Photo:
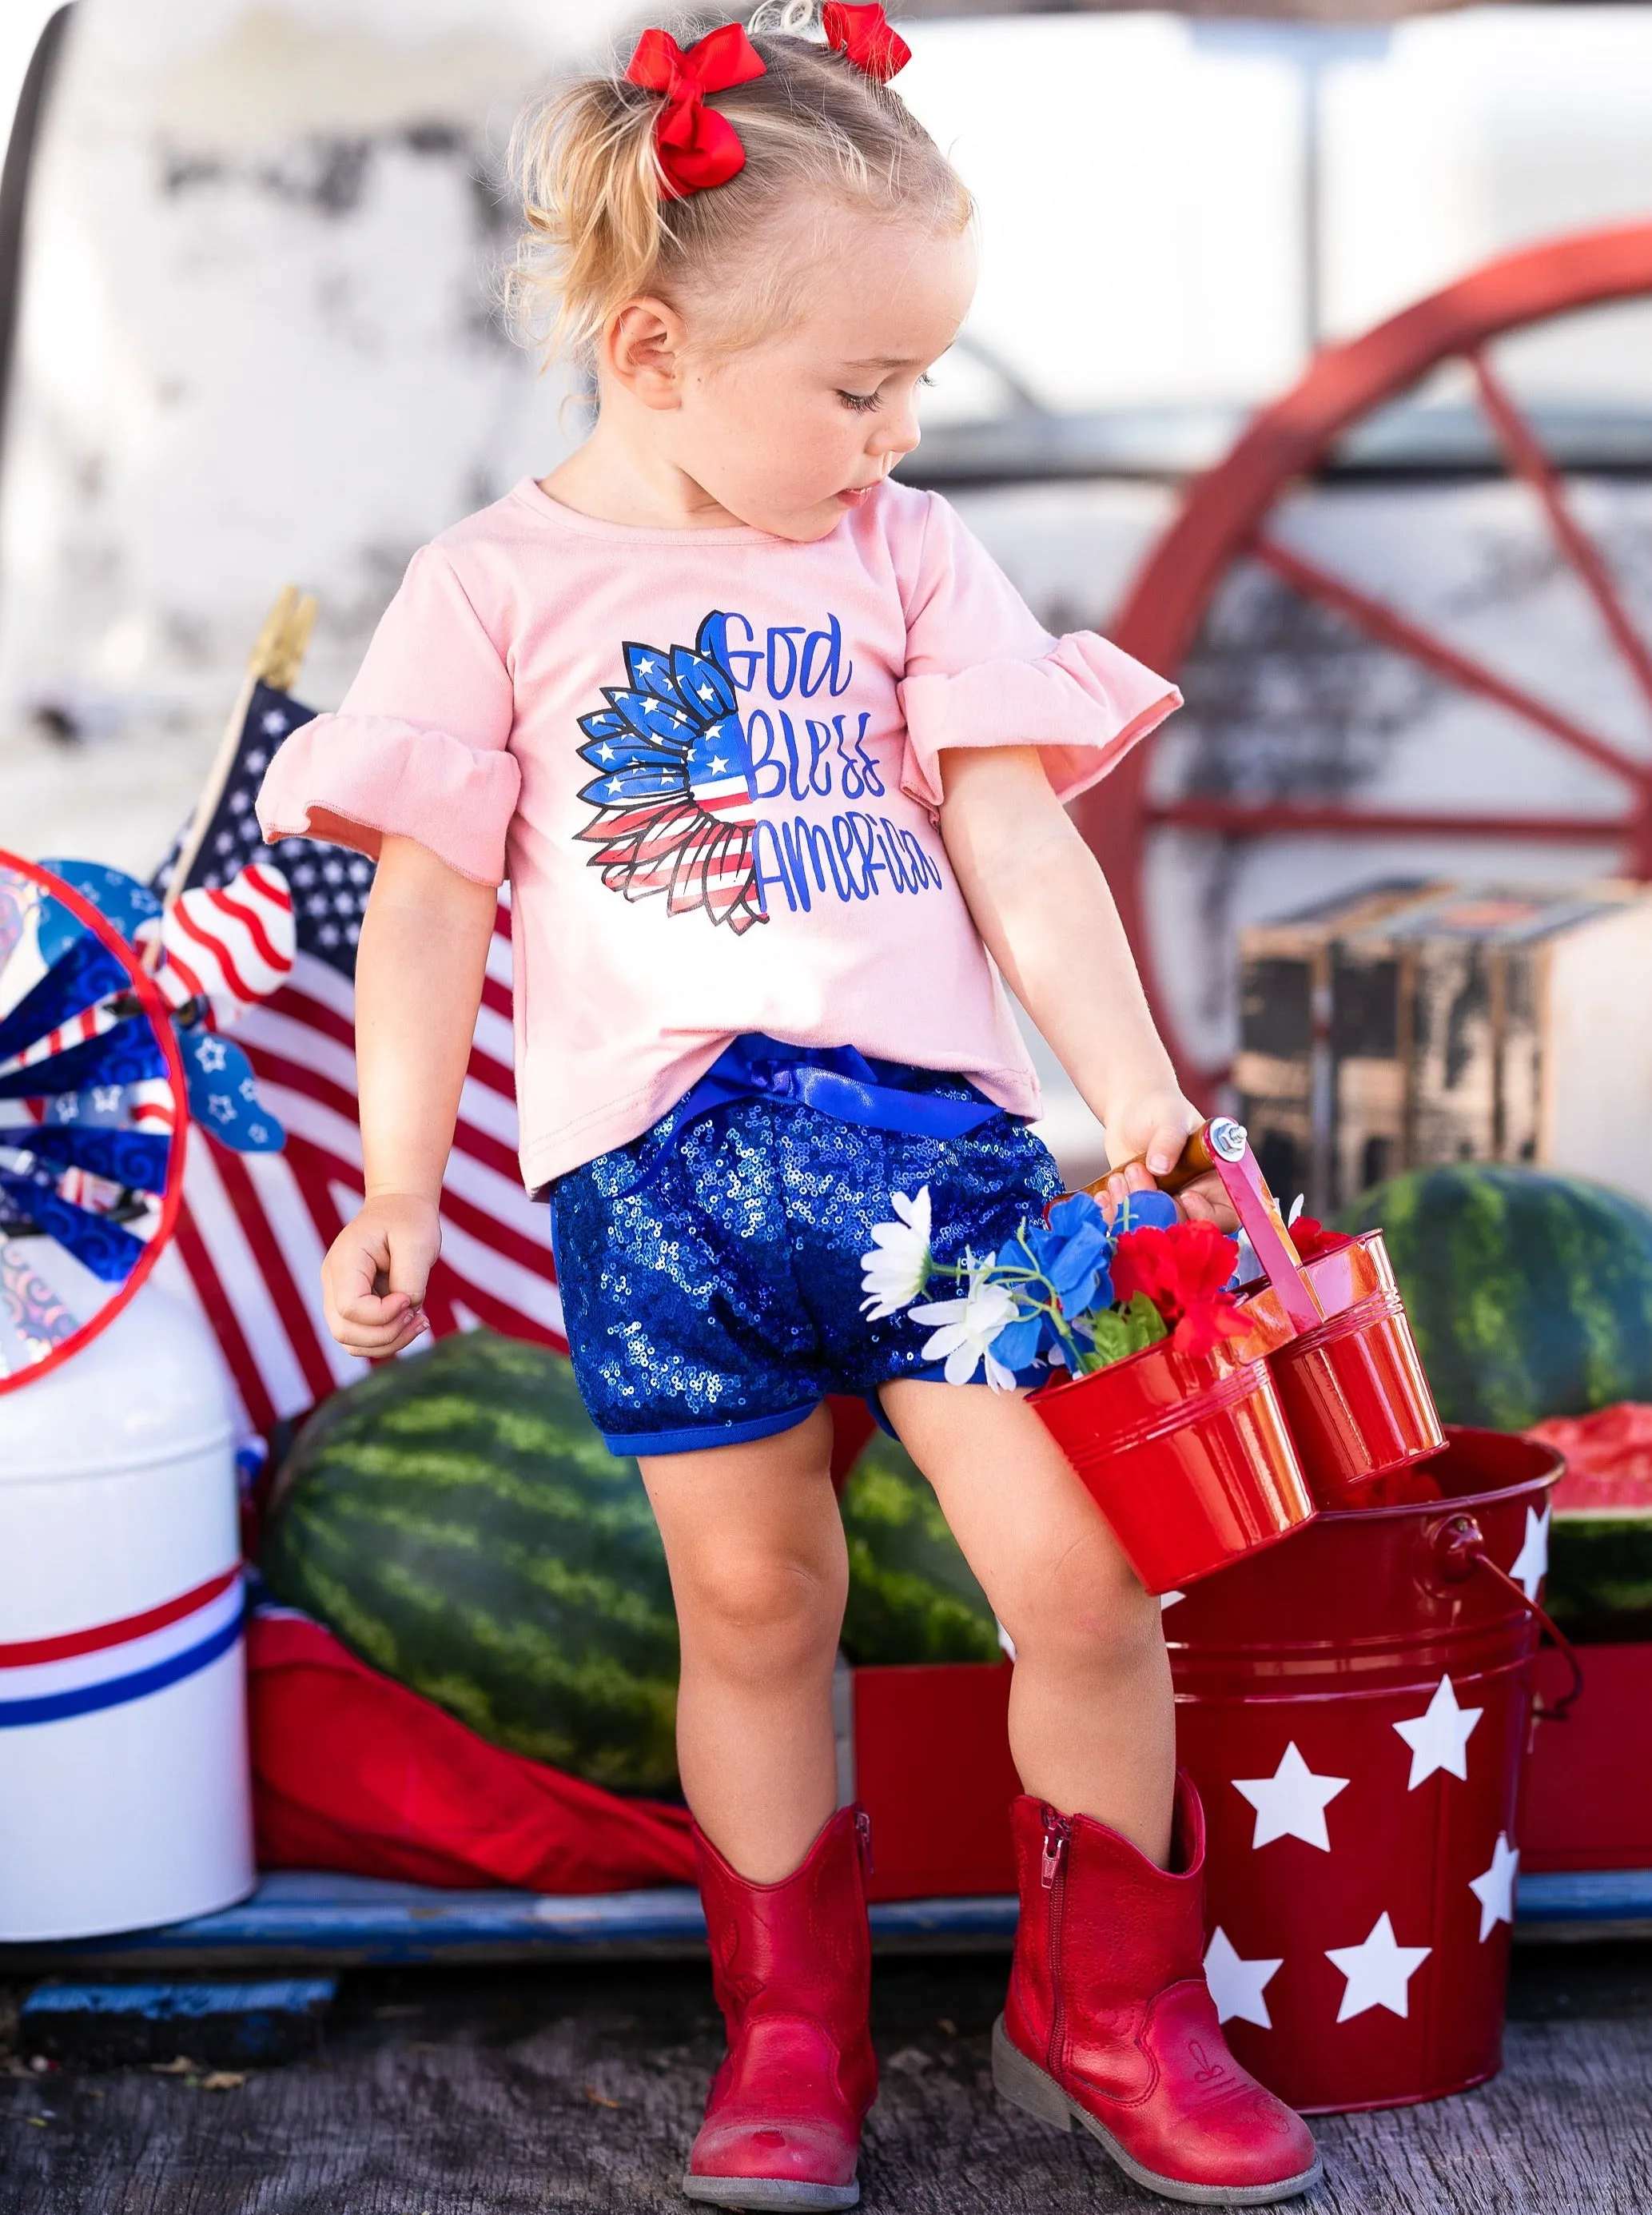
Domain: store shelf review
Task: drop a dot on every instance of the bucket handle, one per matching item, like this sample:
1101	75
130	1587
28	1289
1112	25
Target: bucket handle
1224	1145
1460	1544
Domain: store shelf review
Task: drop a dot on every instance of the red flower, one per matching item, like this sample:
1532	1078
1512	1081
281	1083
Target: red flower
1312	1239
1183	1271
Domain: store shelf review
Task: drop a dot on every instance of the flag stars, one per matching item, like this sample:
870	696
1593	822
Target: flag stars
1438	1737
1495	1888
211	1055
1292	1802
220	1107
1236	1985
1379	1972
273	723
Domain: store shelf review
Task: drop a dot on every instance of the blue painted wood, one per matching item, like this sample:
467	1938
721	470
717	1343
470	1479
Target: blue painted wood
104	2025
176	2002
1584	1896
316	1916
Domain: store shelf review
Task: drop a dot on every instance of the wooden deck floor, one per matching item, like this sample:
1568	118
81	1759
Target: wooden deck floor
442	2093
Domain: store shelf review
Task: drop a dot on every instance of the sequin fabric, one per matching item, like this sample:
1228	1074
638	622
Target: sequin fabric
712	1289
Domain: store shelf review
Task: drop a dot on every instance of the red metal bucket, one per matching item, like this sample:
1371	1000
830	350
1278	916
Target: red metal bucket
1353	1387
1354	1709
1187	1457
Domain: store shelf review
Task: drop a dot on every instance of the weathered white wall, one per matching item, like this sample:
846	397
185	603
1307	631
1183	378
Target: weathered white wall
256	345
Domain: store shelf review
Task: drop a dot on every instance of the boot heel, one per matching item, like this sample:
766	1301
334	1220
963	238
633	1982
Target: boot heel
1024	2085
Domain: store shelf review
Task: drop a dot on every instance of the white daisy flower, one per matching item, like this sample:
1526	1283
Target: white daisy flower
897	1269
968	1327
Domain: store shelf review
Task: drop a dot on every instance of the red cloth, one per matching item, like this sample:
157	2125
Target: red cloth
1608	1459
352	1771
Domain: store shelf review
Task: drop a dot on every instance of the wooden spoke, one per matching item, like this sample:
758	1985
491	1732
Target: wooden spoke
1389	628
1527	460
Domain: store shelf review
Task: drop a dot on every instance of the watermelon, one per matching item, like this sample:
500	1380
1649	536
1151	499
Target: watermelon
1530	1293
457	1522
911	1595
1599	1585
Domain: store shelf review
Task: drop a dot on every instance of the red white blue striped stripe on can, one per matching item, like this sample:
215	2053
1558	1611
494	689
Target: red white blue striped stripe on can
48	1680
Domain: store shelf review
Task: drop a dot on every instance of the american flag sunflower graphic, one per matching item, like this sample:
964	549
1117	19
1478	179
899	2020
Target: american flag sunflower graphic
673	786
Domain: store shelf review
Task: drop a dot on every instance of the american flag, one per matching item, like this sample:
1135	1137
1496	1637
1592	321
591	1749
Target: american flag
255	1226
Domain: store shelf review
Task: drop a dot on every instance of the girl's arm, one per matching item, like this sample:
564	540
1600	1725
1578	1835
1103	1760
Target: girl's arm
418	981
1041	902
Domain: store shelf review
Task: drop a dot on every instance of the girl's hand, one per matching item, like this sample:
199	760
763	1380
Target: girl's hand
374	1277
1149	1132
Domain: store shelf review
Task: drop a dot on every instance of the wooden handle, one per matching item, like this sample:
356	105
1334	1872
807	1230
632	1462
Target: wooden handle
1196	1160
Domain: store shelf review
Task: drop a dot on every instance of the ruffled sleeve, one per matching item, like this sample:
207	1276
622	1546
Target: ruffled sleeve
419	747
982	671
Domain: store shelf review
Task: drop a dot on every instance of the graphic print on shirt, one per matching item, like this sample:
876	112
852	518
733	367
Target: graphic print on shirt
781	810
673	789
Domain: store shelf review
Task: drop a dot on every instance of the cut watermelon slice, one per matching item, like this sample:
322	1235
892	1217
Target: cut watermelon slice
1600	1547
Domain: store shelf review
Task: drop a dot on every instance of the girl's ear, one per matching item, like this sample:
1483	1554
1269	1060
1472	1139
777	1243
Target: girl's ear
645	350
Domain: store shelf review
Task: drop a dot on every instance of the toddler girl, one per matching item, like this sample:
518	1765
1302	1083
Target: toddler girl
774	759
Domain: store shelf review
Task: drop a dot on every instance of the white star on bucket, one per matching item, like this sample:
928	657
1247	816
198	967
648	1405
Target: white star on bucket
1495	1888
1438	1737
1236	1985
1292	1802
1531	1564
1379	1972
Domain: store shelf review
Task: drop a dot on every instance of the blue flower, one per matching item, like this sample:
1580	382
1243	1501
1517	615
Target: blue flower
1145	1210
1016	1345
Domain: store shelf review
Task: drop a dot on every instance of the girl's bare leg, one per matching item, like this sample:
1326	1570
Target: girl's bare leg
1092	1723
760	1572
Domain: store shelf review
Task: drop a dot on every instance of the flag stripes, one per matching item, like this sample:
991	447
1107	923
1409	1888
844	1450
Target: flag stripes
255	1227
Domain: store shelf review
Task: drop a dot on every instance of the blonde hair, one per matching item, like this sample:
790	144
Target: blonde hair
601	229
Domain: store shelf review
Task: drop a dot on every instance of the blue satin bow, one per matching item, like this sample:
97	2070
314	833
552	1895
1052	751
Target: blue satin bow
835	1080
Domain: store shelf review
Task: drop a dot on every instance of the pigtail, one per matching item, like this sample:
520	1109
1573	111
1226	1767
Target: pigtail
589	178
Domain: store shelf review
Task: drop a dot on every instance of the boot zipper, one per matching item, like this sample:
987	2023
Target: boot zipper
1054	1876
863	1838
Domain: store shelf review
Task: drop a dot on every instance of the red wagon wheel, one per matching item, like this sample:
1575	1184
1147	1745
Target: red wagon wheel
1224	518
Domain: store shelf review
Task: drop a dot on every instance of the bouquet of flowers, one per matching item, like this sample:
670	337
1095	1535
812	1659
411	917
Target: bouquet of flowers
1076	1292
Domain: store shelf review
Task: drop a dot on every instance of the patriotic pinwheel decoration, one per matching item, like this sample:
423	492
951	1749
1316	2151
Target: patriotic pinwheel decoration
109	1043
673	786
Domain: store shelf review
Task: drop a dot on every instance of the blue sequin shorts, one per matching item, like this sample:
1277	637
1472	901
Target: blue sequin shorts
711	1288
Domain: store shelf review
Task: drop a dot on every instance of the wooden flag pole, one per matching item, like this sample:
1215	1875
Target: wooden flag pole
277	657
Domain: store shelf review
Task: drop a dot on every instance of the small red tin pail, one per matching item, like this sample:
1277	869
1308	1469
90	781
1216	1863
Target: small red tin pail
1187	1457
1353	1386
1354	1709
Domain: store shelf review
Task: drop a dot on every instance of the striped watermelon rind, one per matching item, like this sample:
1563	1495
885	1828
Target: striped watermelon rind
457	1522
1530	1293
1599	1583
912	1596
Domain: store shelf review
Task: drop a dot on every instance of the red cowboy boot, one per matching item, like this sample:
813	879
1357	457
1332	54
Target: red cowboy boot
1109	2022
791	1969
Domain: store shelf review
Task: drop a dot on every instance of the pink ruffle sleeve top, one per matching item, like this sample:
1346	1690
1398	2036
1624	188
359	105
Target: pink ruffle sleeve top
707	761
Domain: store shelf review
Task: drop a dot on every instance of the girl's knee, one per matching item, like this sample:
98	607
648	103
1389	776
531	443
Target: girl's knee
1089	1609
758	1612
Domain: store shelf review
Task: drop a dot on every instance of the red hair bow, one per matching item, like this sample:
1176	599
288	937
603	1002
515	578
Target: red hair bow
697	147
866	36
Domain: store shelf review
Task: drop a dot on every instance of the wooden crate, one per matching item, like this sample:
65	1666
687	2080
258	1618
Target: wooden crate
1495	1024
1287	1010
1403	1026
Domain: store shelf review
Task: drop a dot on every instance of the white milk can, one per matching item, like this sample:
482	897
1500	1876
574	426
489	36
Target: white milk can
125	1798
